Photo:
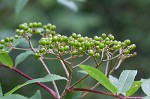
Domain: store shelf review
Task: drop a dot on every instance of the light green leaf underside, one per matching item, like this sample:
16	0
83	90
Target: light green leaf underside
146	86
125	81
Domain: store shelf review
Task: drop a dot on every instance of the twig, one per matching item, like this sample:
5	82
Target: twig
48	71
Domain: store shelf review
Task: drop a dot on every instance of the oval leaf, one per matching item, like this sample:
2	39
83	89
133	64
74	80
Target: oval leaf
146	86
37	95
135	86
100	77
21	57
125	81
5	59
48	78
20	4
13	96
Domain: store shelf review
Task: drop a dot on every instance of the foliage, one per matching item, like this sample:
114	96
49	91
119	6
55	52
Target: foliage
56	47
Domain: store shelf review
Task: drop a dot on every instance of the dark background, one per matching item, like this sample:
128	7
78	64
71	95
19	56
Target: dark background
125	19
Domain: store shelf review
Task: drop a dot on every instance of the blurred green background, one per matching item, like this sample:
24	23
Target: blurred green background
125	19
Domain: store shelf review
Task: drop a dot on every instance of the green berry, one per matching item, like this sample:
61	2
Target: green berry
127	41
2	41
7	39
74	53
35	24
42	42
37	55
101	45
42	50
49	25
30	25
96	55
123	44
61	49
107	39
111	37
53	27
74	35
104	35
66	48
96	38
39	24
126	51
54	39
91	52
16	36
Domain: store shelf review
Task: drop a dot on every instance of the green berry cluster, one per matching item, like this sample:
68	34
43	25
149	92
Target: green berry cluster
75	45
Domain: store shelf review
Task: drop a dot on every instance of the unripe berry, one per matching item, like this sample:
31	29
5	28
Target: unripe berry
96	38
37	55
81	39
66	48
48	25
126	51
123	44
42	50
39	24
16	36
54	39
96	55
11	39
30	25
101	45
2	41
111	37
127	41
35	24
91	52
74	53
53	27
7	39
104	35
74	35
61	49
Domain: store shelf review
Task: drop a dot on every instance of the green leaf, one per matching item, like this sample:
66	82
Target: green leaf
125	81
135	86
13	96
37	95
146	86
21	57
68	3
5	59
47	78
1	91
100	77
20	4
147	97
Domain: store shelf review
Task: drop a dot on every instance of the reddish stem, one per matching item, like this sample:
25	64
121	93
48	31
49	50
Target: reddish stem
30	78
104	93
